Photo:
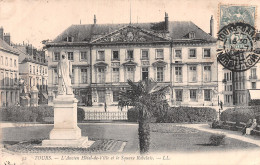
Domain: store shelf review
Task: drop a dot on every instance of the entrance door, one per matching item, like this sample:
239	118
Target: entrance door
145	73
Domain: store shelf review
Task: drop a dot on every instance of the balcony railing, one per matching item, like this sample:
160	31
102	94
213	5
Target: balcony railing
252	77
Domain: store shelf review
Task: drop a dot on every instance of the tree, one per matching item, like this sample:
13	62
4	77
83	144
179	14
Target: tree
148	98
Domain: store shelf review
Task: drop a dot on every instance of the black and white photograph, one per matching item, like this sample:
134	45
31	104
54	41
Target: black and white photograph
129	82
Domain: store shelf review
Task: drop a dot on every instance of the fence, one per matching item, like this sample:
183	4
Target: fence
105	115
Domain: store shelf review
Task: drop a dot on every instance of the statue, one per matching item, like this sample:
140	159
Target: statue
64	75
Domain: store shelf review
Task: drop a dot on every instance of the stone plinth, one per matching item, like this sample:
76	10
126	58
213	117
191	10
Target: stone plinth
66	131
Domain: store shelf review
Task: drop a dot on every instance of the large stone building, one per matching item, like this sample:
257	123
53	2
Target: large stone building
9	75
104	56
33	69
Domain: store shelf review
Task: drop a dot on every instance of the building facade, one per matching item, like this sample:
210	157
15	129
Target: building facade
33	70
105	56
9	75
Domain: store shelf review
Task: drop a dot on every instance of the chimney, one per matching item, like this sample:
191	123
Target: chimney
7	38
166	20
2	33
211	26
95	20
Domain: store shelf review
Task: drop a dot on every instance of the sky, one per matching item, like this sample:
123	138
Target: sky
32	21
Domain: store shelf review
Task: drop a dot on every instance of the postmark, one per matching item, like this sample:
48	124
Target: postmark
234	13
236	42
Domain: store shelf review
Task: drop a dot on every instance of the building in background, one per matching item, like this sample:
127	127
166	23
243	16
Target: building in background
105	56
33	70
9	75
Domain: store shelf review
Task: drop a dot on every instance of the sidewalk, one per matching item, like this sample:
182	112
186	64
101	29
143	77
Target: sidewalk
231	134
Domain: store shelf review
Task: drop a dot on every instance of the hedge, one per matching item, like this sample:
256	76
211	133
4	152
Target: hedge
241	114
32	114
179	115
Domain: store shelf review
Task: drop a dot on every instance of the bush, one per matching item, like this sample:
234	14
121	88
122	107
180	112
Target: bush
80	114
188	114
217	139
216	124
240	114
132	115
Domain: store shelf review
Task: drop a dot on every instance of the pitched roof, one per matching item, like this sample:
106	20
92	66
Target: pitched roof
4	46
178	30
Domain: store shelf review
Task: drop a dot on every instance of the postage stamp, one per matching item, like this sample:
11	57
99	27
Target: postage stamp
236	38
231	13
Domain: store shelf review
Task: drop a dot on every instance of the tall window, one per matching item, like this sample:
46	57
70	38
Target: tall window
101	55
11	79
115	96
159	74
207	74
115	55
178	53
33	69
70	56
11	62
6	78
206	53
83	55
130	73
145	55
130	54
15	78
73	77
253	85
193	94
56	56
178	74
100	75
145	73
2	60
159	54
30	68
55	76
84	76
101	96
178	93
2	79
207	96
115	74
6	61
192	53
253	73
192	74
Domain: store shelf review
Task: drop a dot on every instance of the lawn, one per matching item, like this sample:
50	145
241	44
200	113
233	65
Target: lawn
164	137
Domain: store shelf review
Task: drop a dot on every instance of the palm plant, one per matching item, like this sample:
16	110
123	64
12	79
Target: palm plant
148	99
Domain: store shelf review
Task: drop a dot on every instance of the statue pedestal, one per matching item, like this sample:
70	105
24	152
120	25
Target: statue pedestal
66	132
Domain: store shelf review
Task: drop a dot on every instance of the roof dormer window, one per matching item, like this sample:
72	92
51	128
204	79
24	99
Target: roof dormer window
191	35
69	39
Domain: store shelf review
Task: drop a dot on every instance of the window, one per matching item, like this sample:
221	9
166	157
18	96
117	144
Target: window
55	76
253	85
70	56
207	73
253	73
130	54
130	73
101	96
159	74
115	74
178	93
206	53
2	60
15	78
192	74
145	55
192	53
159	54
11	62
101	55
191	35
100	75
56	56
11	79
6	61
145	73
6	78
83	56
30	68
84	76
69	39
193	94
37	69
178	74
33	69
15	63
115	96
2	79
207	95
72	76
115	55
178	53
